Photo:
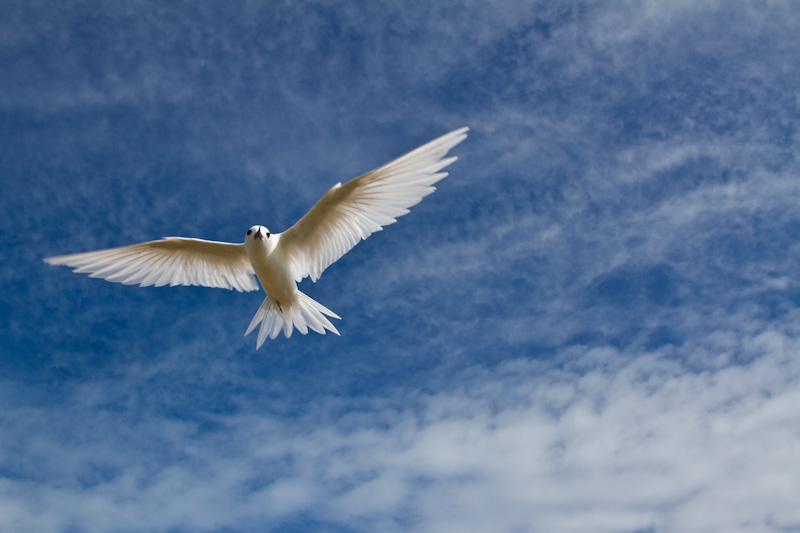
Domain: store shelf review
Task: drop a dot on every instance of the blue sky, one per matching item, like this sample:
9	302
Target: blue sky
592	325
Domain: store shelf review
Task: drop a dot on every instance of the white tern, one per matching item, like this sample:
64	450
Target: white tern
345	215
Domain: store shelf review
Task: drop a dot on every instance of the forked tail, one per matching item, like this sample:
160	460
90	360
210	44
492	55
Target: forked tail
307	314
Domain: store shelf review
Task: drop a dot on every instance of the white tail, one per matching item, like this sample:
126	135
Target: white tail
307	314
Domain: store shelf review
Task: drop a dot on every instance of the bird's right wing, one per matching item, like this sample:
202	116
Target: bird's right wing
170	261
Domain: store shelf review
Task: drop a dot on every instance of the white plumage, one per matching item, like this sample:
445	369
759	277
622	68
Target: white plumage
170	261
345	215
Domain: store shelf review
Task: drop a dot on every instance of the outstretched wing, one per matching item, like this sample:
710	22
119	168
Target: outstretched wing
170	261
354	211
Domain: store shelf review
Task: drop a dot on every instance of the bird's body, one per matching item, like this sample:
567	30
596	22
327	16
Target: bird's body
284	307
345	215
271	267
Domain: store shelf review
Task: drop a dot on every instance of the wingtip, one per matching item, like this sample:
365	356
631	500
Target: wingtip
456	136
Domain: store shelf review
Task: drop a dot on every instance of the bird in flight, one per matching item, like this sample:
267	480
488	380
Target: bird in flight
345	215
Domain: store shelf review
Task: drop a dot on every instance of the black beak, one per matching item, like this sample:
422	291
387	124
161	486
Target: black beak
259	236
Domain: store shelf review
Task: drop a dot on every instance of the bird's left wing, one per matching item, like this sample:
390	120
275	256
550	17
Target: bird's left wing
170	261
354	211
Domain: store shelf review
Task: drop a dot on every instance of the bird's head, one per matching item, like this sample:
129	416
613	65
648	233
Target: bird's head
257	233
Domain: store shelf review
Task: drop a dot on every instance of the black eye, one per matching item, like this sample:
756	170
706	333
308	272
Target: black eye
249	231
267	235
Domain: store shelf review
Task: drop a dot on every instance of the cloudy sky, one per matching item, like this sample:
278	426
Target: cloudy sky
592	325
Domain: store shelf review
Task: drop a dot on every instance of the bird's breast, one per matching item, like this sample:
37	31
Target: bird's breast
274	273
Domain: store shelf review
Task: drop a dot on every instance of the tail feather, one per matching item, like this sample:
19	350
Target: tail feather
306	314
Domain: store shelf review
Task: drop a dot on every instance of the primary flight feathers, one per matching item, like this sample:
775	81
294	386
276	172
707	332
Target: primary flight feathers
346	214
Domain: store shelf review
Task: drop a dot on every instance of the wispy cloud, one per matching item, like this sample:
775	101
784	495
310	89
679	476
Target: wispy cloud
625	441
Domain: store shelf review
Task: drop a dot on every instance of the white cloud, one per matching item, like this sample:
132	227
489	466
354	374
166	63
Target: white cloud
595	439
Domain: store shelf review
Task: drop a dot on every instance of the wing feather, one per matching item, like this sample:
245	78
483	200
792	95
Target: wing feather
170	261
348	213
